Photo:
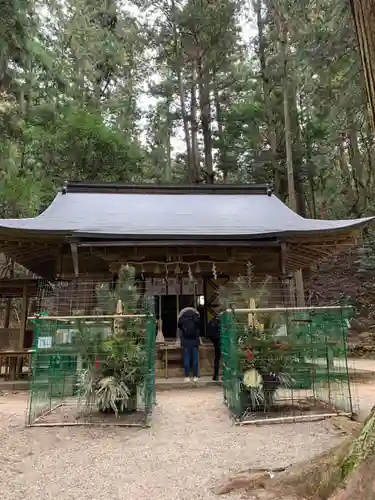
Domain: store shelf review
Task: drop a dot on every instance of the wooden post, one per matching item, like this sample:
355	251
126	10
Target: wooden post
8	307
74	250
160	336
17	367
178	339
288	299
205	310
24	311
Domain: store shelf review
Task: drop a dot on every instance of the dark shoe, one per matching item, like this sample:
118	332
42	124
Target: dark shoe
215	378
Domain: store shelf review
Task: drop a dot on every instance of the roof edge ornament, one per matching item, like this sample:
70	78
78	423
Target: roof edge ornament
269	188
64	189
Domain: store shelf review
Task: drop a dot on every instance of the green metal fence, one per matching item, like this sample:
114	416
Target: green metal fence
93	370
286	363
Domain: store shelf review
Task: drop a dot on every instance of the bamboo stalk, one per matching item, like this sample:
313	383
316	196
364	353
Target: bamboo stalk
47	412
90	316
88	424
295	418
287	309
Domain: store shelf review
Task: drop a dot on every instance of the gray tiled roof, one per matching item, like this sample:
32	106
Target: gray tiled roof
98	213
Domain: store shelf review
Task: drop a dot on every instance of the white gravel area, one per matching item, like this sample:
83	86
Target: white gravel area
190	447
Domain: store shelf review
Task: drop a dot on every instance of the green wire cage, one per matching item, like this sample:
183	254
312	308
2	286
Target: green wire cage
285	364
93	370
93	356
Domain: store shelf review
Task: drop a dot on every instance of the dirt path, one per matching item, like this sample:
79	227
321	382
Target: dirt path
189	447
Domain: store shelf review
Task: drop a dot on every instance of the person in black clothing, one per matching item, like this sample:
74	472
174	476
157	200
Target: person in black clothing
213	333
189	327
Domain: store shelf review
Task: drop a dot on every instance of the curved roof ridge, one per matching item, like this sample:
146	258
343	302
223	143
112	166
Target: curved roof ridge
215	189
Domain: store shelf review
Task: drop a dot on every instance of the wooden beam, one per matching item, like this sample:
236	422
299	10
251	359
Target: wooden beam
323	239
213	242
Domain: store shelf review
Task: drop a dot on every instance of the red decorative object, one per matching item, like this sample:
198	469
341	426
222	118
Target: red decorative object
249	355
276	346
97	363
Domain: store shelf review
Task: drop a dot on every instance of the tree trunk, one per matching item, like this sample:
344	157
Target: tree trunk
370	143
181	86
345	171
289	152
300	295
223	161
257	6
194	122
185	119
205	110
357	171
297	149
310	202
168	145
364	21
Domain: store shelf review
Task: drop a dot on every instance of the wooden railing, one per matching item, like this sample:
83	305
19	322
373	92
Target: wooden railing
12	358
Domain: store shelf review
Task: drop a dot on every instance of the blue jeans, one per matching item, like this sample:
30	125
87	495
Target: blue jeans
191	355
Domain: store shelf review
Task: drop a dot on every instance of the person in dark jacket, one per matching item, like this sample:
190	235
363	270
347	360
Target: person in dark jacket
189	327
213	333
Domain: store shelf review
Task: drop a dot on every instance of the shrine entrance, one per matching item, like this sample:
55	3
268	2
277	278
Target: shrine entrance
173	294
167	308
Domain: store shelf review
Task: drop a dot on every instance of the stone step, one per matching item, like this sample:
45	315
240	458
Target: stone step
168	384
14	385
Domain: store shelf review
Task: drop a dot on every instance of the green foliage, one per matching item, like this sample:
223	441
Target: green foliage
20	195
266	349
76	141
275	359
114	363
245	290
67	102
124	289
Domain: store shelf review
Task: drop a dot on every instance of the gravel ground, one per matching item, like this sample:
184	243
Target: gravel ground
190	446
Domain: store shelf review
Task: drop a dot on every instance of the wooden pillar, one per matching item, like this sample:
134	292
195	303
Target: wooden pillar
15	363
206	319
282	265
178	339
24	310
300	293
8	307
8	310
296	296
